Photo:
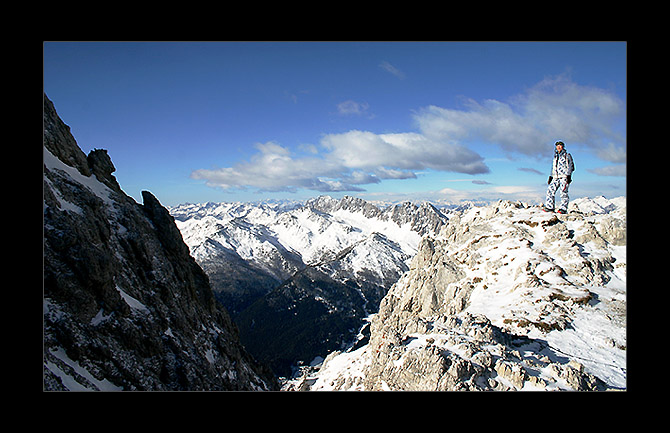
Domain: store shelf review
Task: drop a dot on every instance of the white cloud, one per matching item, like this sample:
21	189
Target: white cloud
274	169
556	108
389	173
612	153
360	178
349	108
348	159
392	69
401	151
493	122
615	154
512	189
491	193
610	170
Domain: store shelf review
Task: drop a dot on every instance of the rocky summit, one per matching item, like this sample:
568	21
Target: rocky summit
505	297
125	305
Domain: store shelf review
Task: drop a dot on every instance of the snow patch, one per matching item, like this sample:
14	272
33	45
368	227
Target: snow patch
132	302
91	182
69	368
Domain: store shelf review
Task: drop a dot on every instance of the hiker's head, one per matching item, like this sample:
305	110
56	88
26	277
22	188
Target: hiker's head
559	145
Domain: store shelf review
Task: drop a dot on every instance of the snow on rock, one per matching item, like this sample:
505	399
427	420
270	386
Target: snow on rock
301	279
313	231
278	240
505	297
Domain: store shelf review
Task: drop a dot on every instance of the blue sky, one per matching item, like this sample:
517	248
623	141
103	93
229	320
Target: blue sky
247	121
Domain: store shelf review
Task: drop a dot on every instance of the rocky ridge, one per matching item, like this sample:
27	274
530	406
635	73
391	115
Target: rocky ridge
505	297
125	305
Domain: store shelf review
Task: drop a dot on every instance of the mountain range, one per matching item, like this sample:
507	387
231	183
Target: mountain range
332	269
301	278
327	294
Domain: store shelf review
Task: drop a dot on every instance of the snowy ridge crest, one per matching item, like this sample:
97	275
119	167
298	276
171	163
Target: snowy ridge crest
504	297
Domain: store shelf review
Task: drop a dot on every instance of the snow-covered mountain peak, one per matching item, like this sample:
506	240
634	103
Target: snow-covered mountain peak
503	297
322	225
259	256
599	205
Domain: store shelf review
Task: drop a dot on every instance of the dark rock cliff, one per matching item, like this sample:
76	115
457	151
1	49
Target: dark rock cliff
125	305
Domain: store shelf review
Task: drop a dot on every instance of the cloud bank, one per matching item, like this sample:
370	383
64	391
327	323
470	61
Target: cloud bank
346	161
555	108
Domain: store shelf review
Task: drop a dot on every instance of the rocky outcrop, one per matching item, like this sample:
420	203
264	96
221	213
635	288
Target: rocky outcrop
125	305
506	297
59	141
101	166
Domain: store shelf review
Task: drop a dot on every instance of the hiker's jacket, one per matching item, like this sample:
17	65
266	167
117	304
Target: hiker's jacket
562	165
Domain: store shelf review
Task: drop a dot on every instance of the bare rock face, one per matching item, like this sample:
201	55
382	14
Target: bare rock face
125	305
59	141
101	166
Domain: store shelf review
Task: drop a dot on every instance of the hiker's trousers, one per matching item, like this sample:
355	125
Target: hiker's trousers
560	184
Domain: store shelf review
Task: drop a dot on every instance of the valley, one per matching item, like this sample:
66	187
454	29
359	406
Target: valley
301	279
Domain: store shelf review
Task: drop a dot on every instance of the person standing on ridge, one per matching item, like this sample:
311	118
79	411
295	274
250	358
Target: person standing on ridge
560	178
